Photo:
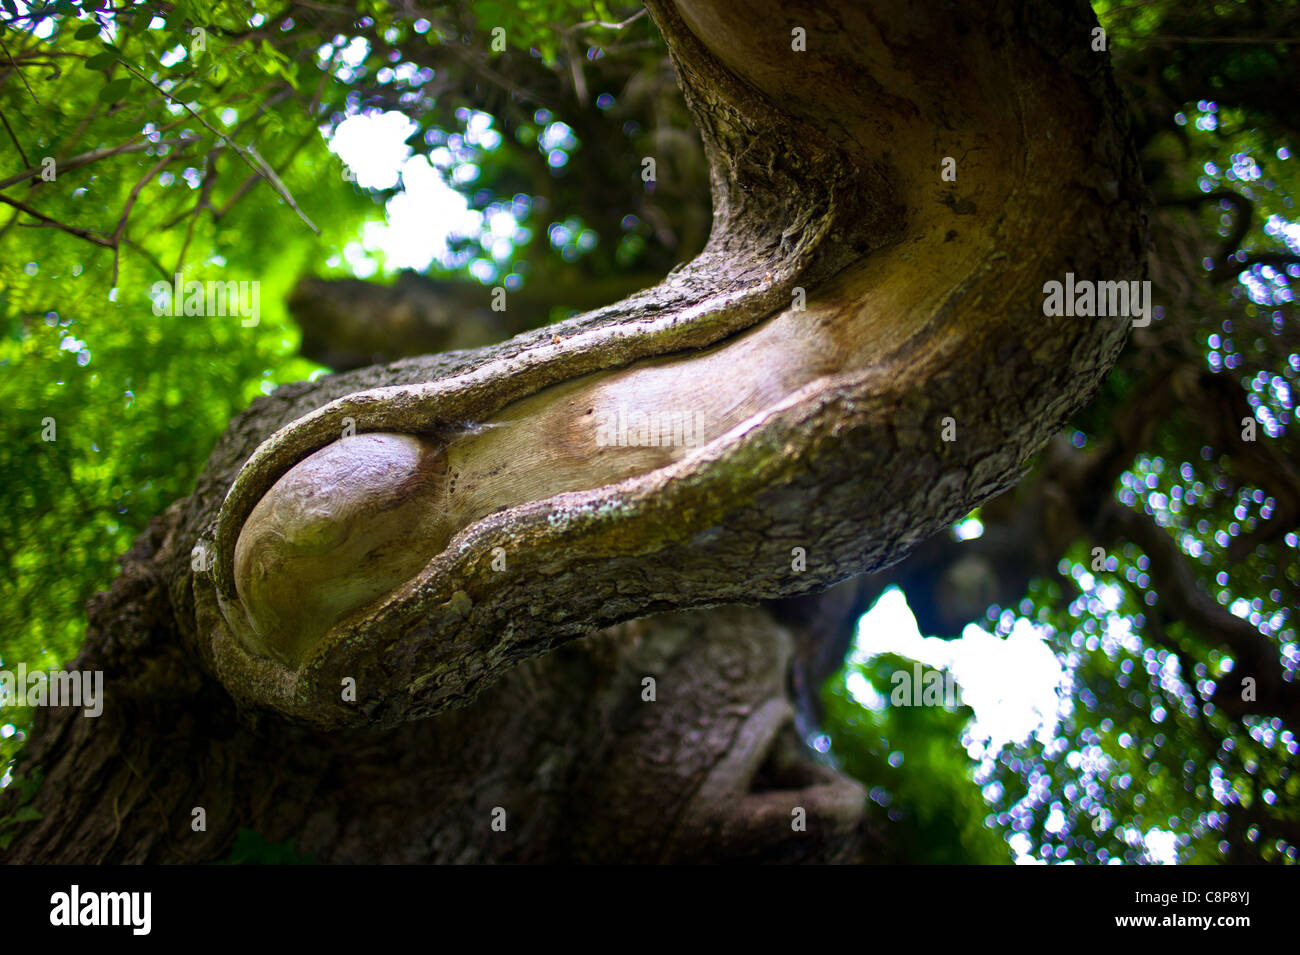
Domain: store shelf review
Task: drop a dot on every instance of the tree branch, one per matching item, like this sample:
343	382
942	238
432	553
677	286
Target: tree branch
90	235
805	409
255	162
85	159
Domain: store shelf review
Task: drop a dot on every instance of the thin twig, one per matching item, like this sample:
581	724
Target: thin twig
326	7
240	191
209	179
98	238
575	66
274	180
247	155
325	74
611	26
85	159
17	69
148	256
17	145
251	181
130	203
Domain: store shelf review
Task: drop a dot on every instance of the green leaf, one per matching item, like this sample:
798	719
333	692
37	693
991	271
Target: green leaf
115	90
88	31
273	54
101	61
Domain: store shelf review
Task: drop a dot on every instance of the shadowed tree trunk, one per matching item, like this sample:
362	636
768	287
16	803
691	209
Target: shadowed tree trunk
369	631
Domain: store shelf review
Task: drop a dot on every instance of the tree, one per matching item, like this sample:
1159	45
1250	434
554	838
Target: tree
360	633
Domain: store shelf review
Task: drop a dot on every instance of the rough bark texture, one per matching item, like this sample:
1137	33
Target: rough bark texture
585	767
923	302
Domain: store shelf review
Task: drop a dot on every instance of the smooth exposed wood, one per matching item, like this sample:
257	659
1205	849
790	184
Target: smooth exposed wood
822	424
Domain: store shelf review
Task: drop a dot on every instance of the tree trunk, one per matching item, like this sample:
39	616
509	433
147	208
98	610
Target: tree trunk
863	354
573	756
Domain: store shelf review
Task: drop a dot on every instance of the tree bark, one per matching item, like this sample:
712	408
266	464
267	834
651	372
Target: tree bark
849	303
566	752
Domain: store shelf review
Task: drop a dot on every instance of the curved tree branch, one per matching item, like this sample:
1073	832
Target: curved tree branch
821	425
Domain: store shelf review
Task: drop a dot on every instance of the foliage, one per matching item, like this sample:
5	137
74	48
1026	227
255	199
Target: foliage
912	762
1144	763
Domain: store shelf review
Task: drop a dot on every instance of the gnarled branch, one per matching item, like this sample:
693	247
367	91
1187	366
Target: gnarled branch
921	301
